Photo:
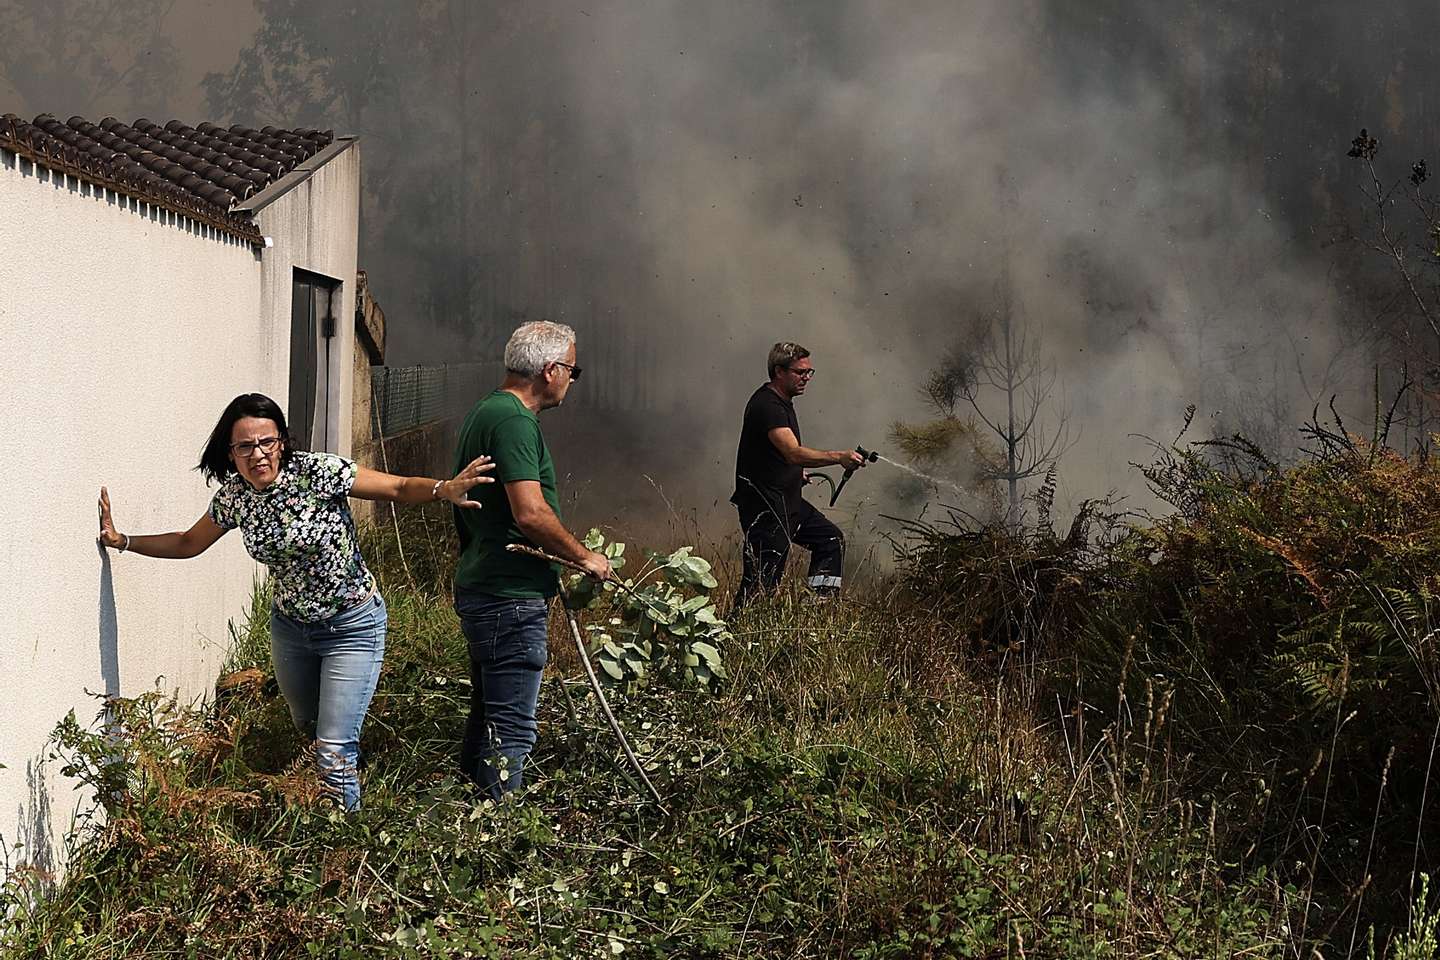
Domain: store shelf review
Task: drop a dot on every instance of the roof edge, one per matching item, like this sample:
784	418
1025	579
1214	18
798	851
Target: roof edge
295	177
64	159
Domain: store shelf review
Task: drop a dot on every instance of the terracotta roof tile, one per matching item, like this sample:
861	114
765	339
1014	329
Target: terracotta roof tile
201	171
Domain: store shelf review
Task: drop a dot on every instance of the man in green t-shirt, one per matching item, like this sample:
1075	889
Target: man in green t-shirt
503	598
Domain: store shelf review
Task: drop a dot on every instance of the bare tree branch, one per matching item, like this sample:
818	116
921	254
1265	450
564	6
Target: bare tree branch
1010	391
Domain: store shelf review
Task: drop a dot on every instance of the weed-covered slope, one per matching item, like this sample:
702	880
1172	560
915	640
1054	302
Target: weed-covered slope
839	797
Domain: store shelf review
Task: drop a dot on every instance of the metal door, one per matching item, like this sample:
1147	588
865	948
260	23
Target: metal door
312	332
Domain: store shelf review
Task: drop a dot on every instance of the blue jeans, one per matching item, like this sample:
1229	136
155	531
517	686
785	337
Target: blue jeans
327	671
507	641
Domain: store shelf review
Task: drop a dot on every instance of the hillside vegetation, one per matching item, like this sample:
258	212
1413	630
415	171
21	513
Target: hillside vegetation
1203	735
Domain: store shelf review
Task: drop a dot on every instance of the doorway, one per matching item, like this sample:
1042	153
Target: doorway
312	336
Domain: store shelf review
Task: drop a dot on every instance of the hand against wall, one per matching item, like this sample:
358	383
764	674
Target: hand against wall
108	536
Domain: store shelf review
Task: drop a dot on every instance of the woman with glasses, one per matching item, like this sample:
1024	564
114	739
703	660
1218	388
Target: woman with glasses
327	626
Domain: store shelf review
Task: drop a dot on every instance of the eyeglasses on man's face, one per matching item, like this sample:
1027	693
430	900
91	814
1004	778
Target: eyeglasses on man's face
247	448
805	374
574	370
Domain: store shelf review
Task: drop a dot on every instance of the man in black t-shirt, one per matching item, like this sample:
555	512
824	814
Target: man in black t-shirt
769	472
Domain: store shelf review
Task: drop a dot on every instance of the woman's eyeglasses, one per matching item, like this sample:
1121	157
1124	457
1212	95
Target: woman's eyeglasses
247	448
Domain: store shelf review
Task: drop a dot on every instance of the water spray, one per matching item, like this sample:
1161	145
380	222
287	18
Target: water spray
870	456
933	481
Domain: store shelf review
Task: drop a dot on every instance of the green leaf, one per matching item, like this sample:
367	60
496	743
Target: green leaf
711	655
612	668
580	592
660	614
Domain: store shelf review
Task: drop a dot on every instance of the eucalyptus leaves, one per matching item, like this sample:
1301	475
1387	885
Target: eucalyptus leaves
662	621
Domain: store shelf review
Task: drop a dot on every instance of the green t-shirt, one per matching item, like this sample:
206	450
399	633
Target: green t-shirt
503	427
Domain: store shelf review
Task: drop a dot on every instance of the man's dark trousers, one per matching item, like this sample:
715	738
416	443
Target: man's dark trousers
768	536
507	641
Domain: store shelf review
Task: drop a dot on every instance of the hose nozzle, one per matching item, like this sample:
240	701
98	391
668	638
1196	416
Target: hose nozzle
866	456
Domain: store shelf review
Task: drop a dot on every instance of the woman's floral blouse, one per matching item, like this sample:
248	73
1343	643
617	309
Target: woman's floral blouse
300	527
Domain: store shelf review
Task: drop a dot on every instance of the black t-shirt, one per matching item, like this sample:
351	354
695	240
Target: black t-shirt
761	475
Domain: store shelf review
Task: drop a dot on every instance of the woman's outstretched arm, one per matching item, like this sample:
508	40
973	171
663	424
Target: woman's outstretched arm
170	546
374	485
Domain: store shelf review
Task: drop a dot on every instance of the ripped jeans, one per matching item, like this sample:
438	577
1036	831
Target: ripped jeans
507	643
327	671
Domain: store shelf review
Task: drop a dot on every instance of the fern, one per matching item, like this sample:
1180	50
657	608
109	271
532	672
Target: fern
1363	651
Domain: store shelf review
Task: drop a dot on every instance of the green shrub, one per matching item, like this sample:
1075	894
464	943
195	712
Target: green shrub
1285	613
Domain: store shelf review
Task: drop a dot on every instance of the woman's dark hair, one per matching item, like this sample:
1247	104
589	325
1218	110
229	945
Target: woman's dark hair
215	461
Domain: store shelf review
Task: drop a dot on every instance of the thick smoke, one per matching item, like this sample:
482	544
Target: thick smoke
860	181
1145	184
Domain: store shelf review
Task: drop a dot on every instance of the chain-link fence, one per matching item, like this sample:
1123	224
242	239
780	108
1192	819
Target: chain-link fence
406	397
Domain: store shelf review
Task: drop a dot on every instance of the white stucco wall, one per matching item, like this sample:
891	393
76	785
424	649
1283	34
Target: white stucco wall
315	227
124	331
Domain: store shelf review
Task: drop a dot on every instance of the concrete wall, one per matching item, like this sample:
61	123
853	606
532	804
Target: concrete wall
124	331
369	353
426	450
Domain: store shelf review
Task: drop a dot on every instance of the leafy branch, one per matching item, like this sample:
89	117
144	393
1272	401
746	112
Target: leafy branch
662	622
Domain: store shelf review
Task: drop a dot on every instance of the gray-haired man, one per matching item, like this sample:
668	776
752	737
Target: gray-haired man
503	598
